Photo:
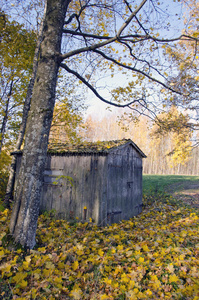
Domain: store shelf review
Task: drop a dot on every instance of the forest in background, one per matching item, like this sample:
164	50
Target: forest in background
167	152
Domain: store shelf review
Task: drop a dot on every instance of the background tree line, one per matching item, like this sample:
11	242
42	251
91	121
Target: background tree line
167	152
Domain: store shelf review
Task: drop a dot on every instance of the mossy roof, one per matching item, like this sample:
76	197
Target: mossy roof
91	147
100	147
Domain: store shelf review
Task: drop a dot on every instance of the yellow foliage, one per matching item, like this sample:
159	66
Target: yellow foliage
173	126
173	278
5	268
19	277
100	252
141	260
75	265
104	297
23	284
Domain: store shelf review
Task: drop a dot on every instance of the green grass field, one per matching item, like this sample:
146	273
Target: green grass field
160	183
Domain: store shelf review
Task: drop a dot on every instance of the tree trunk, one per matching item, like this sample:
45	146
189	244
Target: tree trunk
25	212
3	125
26	108
5	118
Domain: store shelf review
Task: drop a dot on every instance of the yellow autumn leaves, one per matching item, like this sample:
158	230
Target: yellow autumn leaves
152	256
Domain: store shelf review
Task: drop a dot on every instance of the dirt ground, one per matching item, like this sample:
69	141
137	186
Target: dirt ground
186	191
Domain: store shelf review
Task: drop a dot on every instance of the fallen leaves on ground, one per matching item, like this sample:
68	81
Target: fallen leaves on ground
151	256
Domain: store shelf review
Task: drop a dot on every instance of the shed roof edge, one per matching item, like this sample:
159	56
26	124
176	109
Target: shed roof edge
103	152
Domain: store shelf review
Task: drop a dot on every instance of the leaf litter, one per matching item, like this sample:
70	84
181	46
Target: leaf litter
154	255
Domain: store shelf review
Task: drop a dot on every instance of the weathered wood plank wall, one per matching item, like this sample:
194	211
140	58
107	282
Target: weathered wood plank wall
124	182
69	198
106	186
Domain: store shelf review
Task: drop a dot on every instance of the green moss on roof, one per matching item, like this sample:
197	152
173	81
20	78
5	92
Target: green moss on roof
102	147
86	147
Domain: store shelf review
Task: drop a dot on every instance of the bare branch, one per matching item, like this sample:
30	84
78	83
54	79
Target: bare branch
131	38
70	19
83	7
182	37
136	70
89	35
64	66
110	40
142	60
133	14
85	49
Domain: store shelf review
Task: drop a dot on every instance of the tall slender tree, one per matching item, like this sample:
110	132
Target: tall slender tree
26	107
16	53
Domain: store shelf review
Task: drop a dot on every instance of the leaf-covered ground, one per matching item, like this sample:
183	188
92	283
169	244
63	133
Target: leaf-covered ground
152	256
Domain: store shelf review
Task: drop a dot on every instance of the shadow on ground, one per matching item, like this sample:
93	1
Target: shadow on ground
185	191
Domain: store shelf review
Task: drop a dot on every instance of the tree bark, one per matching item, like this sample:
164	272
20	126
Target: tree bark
25	212
26	108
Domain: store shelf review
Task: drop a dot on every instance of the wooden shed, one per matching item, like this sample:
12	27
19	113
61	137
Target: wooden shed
101	180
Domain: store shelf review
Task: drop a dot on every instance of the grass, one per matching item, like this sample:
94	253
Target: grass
160	183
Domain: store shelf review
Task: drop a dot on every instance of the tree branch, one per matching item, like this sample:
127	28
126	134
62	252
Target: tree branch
141	60
88	48
136	70
74	15
70	19
182	37
64	66
110	39
133	14
127	38
89	35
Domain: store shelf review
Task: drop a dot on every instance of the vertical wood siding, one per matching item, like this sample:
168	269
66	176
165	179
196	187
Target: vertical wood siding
69	198
109	187
124	185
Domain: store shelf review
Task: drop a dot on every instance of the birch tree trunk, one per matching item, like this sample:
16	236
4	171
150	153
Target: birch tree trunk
26	108
25	212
